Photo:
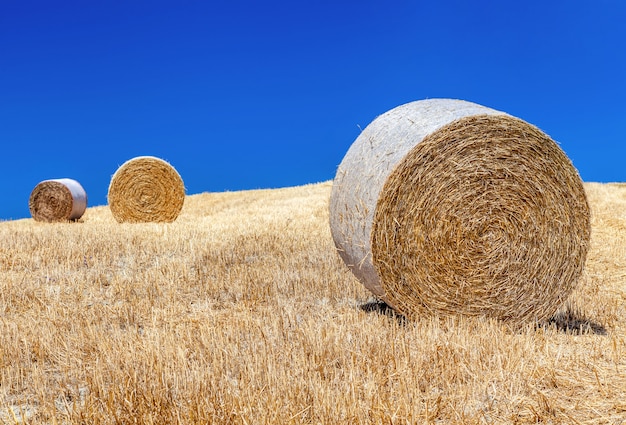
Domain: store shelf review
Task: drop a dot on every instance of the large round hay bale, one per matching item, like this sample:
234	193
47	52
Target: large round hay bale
446	207
146	189
57	200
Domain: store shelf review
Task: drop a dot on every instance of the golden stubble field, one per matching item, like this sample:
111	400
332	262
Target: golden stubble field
242	312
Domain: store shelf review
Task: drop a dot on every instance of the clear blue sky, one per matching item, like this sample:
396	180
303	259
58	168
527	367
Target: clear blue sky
240	94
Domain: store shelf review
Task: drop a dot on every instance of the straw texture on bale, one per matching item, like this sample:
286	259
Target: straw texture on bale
57	200
146	189
444	207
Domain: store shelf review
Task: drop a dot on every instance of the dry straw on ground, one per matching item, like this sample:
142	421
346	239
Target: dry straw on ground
447	207
146	189
57	200
241	312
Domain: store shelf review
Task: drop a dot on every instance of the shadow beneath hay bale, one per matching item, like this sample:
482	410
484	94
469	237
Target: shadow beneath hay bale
568	321
382	308
575	323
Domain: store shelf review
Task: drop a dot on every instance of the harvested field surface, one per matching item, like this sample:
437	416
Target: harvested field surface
242	312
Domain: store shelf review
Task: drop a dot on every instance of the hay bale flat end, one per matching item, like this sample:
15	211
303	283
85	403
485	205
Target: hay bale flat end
146	189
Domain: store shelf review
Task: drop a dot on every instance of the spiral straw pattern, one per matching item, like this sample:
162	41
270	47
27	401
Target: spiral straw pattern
146	189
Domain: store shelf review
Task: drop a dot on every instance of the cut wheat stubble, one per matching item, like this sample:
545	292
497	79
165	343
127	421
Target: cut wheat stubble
446	207
57	200
146	189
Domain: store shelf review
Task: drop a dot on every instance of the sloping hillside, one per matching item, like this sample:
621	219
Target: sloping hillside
242	312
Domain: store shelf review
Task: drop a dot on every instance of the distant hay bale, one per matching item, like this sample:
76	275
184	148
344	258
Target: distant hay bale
446	207
57	200
146	189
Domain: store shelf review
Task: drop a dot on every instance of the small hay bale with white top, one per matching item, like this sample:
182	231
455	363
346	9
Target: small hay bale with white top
57	200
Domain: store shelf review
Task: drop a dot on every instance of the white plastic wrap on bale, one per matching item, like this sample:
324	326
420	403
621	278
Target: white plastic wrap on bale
78	195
